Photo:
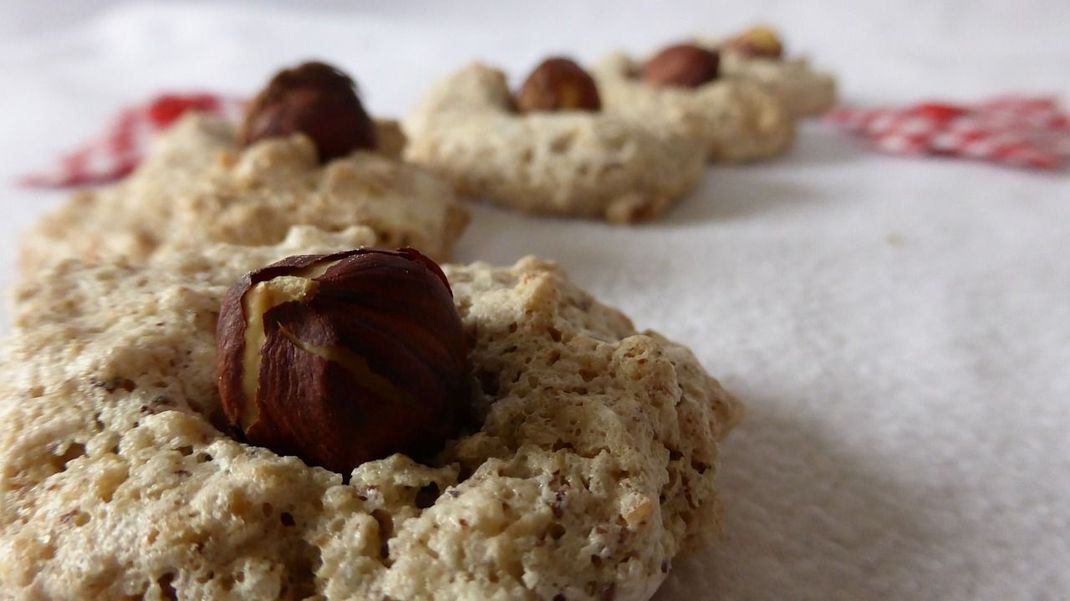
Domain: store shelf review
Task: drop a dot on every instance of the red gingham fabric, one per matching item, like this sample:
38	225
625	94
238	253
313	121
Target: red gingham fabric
117	151
1018	131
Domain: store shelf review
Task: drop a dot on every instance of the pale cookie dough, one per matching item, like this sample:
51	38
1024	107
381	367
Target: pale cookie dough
733	119
804	91
593	466
199	186
591	164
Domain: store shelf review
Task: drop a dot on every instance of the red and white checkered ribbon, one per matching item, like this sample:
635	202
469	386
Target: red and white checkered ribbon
1018	131
1025	132
117	151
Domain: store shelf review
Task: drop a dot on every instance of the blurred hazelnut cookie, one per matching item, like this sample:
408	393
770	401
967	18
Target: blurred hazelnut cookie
307	153
758	54
241	423
551	148
682	90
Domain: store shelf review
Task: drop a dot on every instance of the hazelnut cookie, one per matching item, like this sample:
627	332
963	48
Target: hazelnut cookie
758	54
586	464
306	154
551	149
683	90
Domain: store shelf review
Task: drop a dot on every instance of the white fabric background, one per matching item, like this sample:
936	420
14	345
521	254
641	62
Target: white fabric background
898	328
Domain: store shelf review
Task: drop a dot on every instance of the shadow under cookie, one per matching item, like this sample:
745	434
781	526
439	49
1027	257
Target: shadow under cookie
806	518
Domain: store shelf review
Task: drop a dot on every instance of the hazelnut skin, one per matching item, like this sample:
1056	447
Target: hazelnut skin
759	41
317	100
683	65
343	358
558	84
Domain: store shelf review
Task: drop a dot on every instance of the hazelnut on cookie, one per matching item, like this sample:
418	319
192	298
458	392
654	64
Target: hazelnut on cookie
551	148
683	91
758	54
299	421
307	153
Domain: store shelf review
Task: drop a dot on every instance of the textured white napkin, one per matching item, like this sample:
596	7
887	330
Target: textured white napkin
899	329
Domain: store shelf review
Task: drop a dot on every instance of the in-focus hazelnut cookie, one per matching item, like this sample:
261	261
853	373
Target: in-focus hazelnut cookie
306	154
551	149
758	54
582	464
682	90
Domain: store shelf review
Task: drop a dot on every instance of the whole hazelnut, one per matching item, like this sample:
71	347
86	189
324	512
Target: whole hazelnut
317	100
343	358
558	84
759	41
683	65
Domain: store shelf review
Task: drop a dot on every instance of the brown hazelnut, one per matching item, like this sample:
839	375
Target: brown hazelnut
317	100
683	65
558	84
759	41
343	358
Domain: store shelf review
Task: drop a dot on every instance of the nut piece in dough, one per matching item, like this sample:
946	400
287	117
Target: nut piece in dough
682	65
577	163
317	100
558	84
343	358
758	41
592	463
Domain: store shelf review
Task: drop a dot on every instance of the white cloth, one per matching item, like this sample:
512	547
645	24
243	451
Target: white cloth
898	328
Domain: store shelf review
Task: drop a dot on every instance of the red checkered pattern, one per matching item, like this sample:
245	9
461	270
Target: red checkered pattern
121	147
1023	132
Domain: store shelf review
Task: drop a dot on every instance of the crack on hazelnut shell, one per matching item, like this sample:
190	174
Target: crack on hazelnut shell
256	303
352	357
558	84
356	365
315	99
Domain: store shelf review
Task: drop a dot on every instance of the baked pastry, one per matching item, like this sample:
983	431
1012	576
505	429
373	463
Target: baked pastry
682	91
539	155
757	54
206	181
589	463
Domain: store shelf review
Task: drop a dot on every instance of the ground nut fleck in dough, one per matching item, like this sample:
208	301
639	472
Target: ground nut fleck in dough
199	186
733	119
580	163
593	464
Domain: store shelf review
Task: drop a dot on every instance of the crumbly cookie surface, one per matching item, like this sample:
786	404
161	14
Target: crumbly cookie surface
592	465
199	186
733	119
591	164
